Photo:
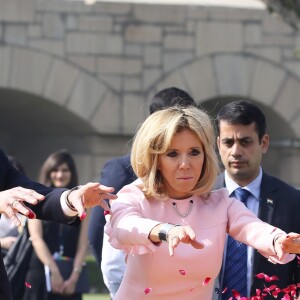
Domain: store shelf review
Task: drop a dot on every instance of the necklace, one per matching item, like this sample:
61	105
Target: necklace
191	204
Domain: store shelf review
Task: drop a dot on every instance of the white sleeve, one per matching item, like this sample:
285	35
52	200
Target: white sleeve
112	266
67	211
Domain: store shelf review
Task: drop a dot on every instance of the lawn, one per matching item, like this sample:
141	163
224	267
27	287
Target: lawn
96	297
98	290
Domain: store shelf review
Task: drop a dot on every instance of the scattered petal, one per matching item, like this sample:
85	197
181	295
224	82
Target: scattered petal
106	212
236	294
83	216
206	281
27	284
260	275
147	290
182	272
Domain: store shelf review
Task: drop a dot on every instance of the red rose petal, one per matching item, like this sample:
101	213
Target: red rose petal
260	275
28	285
274	277
236	294
182	272
206	281
147	290
106	212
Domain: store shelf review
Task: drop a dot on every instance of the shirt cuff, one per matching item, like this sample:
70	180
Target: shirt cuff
66	210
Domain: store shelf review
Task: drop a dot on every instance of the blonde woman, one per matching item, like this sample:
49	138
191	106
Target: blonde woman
169	222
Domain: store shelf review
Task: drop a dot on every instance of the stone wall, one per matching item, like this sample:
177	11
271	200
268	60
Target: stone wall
104	62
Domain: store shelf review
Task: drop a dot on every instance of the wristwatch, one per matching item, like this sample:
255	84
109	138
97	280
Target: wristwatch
163	232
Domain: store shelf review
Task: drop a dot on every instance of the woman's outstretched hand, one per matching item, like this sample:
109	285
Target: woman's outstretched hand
289	243
182	234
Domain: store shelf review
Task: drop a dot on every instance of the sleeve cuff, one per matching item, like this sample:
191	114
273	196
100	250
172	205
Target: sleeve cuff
67	211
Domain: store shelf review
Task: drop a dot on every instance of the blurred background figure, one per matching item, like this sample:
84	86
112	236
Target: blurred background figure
52	240
118	172
8	230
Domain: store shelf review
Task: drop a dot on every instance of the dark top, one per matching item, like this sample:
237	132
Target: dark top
116	173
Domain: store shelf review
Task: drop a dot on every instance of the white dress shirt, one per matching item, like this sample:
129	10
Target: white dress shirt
253	205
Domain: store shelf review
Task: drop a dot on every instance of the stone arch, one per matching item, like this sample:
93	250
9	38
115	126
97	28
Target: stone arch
61	82
243	75
216	78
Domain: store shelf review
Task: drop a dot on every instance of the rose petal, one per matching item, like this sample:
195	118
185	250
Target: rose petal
260	275
28	285
206	281
147	290
182	272
236	294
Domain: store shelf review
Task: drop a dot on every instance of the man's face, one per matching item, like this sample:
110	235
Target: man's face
240	151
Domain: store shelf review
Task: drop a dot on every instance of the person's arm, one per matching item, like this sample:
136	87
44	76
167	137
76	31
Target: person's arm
35	228
20	194
7	241
132	232
82	246
174	235
271	242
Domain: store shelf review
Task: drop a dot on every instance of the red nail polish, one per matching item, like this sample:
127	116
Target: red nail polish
82	217
106	212
31	215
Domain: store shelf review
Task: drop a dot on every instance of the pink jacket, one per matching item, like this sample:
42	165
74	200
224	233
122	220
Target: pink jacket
151	273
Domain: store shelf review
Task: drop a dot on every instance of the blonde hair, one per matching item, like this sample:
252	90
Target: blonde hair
154	138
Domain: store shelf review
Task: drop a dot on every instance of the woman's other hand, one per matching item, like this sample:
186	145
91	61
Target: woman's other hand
182	234
289	243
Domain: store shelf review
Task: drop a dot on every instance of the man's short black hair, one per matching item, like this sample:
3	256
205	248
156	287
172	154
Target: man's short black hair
170	97
244	113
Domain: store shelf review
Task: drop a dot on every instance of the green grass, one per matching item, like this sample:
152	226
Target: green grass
98	290
96	297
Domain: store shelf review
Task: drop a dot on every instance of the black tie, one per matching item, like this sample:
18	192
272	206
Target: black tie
235	274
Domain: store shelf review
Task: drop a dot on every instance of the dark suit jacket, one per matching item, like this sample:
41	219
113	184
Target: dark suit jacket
48	209
116	172
279	206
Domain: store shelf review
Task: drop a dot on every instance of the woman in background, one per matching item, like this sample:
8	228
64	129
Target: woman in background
52	240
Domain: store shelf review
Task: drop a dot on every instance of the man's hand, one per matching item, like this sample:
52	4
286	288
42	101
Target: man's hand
12	202
90	195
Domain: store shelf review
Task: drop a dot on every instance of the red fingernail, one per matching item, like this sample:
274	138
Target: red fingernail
106	212
31	215
82	217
